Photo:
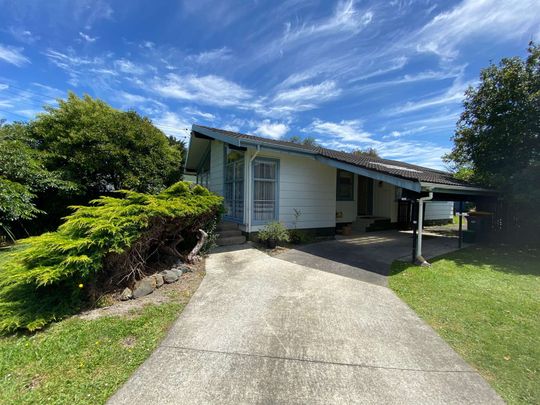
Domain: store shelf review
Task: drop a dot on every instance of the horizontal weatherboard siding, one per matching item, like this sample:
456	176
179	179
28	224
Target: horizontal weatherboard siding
305	185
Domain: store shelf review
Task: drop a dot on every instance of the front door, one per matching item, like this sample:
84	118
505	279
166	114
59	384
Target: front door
234	185
365	196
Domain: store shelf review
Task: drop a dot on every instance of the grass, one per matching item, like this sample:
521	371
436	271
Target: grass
78	361
485	303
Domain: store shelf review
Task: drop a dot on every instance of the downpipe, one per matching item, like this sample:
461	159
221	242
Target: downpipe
419	258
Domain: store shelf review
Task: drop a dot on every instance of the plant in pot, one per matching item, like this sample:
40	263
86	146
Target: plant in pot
273	233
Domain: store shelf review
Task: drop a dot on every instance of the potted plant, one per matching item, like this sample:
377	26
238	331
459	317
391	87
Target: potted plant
273	233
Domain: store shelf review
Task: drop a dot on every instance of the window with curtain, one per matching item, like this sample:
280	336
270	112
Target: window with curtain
345	186
265	190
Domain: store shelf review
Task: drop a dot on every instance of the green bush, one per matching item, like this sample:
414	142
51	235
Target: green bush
300	236
109	241
274	231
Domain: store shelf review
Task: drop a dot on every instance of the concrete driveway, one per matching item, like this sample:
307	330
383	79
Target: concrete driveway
262	330
367	256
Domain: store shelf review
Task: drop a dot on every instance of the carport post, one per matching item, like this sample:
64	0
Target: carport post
421	200
413	259
460	234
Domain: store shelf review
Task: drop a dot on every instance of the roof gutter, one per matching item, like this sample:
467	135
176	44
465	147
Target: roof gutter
456	189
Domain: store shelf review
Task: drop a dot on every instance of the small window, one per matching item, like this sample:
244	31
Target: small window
345	186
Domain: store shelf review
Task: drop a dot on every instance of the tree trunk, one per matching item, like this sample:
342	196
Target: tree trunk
192	256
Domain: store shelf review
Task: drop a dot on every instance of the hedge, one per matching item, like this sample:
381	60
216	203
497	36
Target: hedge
105	244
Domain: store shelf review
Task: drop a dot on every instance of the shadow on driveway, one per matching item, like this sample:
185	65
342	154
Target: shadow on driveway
366	257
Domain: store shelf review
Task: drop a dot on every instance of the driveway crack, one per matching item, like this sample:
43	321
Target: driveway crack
359	365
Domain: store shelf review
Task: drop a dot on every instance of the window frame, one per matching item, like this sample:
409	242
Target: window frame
240	161
338	184
276	190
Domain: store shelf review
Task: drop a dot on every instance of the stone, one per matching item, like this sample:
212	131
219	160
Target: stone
169	276
159	280
127	294
144	287
177	271
184	267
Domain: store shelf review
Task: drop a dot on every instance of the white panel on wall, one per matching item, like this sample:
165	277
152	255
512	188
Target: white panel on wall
439	210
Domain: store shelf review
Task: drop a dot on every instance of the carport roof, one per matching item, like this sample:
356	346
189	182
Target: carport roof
414	177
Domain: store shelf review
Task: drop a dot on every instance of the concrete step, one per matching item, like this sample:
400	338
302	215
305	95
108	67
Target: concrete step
227	226
232	232
231	240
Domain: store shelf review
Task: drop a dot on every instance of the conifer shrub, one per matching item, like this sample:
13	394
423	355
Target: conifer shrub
106	244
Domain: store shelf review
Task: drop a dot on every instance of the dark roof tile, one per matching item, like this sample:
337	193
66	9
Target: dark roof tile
392	167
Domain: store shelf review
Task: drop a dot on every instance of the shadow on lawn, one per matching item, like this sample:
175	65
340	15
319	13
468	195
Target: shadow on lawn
502	258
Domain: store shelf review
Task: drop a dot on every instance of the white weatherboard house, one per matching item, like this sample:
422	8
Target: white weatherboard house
313	188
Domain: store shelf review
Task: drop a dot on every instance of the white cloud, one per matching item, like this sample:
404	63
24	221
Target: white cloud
126	66
72	63
23	35
173	124
194	112
350	135
348	131
131	98
210	90
346	18
147	45
453	95
493	19
13	55
87	37
318	92
274	130
212	55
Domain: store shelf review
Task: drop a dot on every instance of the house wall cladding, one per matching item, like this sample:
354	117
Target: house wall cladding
307	186
384	200
216	167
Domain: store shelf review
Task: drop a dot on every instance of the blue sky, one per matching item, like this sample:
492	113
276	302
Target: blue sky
352	74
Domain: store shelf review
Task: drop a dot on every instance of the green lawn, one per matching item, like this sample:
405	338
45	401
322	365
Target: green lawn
486	304
79	361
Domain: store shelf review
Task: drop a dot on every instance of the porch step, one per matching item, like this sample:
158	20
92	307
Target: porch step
371	223
231	240
228	233
227	226
381	226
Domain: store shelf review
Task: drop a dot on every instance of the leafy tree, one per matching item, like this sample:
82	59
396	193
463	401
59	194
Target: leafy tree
366	152
308	141
102	149
99	150
22	175
497	140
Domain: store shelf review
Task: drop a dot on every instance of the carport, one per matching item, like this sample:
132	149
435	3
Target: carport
484	199
417	185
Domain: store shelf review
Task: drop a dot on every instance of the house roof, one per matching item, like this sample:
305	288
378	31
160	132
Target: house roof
426	177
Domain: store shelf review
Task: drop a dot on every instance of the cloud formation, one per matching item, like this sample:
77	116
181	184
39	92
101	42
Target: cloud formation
13	55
